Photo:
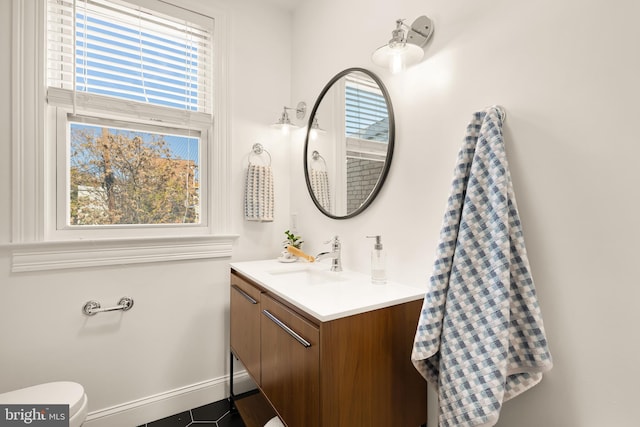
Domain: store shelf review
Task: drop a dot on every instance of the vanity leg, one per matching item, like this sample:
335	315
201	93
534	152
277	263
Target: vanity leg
232	396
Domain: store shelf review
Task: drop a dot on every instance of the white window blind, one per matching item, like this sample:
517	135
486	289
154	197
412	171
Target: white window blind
366	110
125	51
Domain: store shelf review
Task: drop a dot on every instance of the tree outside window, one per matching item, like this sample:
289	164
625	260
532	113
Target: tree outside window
119	176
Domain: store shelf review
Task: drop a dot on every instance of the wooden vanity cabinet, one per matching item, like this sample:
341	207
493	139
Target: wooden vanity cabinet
290	364
245	325
354	371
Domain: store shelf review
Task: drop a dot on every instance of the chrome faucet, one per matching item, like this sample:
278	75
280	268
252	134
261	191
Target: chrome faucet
336	263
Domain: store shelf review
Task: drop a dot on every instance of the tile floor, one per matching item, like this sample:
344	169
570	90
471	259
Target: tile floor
212	415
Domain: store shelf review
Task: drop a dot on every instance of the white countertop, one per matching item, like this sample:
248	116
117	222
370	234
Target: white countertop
324	294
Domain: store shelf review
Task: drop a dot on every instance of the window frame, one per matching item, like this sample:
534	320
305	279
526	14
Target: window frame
35	243
60	210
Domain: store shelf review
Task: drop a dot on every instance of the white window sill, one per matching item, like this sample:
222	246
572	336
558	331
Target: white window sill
43	256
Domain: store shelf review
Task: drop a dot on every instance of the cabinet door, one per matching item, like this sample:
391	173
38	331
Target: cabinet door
290	364
245	325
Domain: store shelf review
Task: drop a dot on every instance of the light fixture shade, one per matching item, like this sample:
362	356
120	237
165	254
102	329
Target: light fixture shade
315	129
284	123
398	57
283	120
405	47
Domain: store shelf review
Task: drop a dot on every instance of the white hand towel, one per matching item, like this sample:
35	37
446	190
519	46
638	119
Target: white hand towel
259	197
320	187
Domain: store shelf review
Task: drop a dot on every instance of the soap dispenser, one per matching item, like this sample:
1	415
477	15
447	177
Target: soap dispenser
378	262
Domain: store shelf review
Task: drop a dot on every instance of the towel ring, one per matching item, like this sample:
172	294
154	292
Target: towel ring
258	150
315	156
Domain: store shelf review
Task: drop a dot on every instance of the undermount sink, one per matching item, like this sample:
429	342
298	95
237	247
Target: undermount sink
308	275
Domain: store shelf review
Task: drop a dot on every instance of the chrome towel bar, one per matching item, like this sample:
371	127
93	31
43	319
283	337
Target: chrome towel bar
93	307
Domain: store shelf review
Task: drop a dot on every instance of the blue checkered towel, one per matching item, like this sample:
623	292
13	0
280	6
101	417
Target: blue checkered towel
480	339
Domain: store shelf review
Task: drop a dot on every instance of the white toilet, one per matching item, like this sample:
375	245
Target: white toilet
55	393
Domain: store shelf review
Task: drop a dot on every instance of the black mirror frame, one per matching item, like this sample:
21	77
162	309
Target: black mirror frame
391	143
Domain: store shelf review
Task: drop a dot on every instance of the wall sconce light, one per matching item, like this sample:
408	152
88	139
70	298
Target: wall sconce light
284	123
405	48
315	129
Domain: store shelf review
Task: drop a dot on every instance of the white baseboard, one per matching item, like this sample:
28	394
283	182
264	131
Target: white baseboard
168	403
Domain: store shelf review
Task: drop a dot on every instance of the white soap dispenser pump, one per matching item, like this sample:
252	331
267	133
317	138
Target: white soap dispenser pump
378	262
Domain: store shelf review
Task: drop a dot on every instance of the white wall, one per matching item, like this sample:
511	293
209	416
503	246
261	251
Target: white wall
176	335
567	74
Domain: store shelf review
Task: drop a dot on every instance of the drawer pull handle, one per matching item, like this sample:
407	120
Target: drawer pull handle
287	329
244	294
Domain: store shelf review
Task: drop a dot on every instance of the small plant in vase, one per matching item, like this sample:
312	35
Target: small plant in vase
291	240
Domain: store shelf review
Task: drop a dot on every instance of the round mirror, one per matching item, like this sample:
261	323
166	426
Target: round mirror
349	143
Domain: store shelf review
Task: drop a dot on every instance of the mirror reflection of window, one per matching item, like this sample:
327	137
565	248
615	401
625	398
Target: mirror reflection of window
367	137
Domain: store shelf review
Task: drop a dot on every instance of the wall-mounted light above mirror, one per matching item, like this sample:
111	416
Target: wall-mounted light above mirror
346	164
405	47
